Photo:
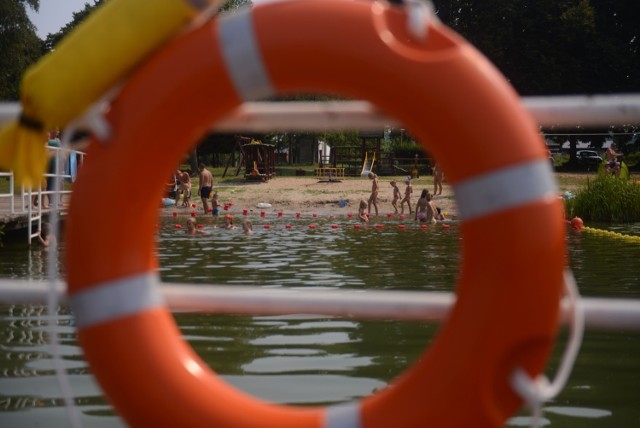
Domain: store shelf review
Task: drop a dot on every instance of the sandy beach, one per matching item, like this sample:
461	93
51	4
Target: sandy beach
312	195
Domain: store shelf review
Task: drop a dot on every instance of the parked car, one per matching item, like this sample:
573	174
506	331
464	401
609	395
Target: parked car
589	157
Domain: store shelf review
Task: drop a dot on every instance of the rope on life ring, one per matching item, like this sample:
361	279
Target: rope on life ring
454	101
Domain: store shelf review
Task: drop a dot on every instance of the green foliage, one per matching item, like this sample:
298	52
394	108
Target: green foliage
542	47
230	5
632	160
607	199
554	46
344	138
19	45
404	145
54	38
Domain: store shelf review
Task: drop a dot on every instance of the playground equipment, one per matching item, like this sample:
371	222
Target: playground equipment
367	166
259	160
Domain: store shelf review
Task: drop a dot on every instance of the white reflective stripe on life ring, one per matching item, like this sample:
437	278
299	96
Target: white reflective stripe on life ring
116	299
505	188
242	57
346	415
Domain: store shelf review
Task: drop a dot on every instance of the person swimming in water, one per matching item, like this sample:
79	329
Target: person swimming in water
426	210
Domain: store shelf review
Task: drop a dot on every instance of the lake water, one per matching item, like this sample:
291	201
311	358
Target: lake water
302	359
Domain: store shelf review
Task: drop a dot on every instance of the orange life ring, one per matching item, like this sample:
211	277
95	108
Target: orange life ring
442	89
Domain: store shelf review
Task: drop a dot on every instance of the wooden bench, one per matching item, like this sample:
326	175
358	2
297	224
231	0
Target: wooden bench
329	172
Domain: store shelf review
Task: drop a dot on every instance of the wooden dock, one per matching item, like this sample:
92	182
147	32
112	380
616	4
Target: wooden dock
15	222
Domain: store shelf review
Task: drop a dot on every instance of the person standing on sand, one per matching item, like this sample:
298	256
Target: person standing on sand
185	188
407	195
396	195
373	199
205	186
438	176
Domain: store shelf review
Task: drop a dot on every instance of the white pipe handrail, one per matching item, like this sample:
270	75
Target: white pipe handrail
600	313
578	111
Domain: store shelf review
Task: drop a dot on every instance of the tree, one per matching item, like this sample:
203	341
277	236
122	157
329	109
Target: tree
554	46
19	44
618	44
54	38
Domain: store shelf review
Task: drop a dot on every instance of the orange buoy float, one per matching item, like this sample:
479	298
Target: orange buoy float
577	223
453	100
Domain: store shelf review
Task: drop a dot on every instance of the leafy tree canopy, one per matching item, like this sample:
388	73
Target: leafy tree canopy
554	46
543	47
19	44
52	39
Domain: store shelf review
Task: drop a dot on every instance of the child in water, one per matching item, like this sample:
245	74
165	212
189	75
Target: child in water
215	205
362	211
191	228
46	237
228	222
426	210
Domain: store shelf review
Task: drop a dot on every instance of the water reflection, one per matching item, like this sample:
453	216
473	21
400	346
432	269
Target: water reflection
346	257
304	359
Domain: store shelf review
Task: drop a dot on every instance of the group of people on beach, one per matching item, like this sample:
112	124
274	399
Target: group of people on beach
205	190
425	210
180	186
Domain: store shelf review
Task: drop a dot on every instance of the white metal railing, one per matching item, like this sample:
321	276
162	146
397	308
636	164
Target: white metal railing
562	111
600	313
8	195
577	111
29	201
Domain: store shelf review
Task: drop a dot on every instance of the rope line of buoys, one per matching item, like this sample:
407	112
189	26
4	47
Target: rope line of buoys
577	224
612	234
357	226
379	223
246	212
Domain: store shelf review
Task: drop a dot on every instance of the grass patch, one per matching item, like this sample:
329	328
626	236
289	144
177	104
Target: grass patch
573	180
607	199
